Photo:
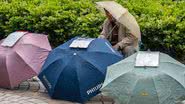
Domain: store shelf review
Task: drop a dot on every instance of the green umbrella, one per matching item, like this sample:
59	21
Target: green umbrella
162	83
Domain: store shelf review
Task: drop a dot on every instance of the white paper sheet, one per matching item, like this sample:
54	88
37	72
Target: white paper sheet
12	38
149	59
81	43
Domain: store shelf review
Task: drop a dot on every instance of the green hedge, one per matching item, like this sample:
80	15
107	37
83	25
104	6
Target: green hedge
60	19
162	22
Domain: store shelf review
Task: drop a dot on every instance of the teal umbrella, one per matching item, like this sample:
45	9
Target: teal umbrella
162	82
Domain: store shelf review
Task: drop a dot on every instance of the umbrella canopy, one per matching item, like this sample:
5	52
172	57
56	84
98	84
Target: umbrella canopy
77	74
121	15
23	60
130	84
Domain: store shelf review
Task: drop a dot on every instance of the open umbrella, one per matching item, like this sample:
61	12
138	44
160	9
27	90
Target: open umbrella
77	74
23	59
132	82
121	15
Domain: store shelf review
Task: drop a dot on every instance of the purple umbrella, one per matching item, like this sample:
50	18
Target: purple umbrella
23	60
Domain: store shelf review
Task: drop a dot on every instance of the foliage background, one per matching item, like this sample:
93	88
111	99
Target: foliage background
162	22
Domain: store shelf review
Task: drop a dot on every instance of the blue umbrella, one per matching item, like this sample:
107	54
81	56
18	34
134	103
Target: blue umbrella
77	74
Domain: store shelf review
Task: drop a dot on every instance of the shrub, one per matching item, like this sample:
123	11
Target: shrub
60	19
162	23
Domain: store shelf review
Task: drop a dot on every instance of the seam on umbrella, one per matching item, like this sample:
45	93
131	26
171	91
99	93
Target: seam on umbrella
132	91
177	64
26	64
59	76
153	80
113	79
54	59
116	64
34	52
105	53
36	46
117	76
25	61
173	79
91	64
79	84
164	99
7	71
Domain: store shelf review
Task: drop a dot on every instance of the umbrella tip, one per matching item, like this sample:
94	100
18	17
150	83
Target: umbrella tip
74	54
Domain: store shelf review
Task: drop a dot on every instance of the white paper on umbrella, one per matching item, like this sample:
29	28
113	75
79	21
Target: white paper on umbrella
149	59
81	43
12	38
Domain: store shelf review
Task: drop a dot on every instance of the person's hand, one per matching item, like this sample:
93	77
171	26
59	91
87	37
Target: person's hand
101	36
116	47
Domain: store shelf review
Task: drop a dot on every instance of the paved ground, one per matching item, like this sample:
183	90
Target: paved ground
30	97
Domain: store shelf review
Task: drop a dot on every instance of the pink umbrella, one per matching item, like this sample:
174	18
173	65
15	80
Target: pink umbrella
23	60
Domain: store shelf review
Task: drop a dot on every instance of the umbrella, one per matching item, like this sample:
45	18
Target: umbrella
23	59
121	15
76	74
129	82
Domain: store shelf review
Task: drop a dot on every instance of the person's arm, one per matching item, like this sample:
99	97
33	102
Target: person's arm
104	33
126	41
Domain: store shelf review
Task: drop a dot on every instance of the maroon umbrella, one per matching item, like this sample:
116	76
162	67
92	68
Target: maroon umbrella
23	59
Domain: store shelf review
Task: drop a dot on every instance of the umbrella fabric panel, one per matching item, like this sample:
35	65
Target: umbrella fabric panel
54	55
32	55
67	88
117	70
87	77
144	92
4	80
173	70
126	83
102	45
88	72
166	58
38	40
16	68
114	8
169	90
54	69
96	58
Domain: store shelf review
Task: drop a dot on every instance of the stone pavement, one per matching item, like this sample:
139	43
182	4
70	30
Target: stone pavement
30	97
